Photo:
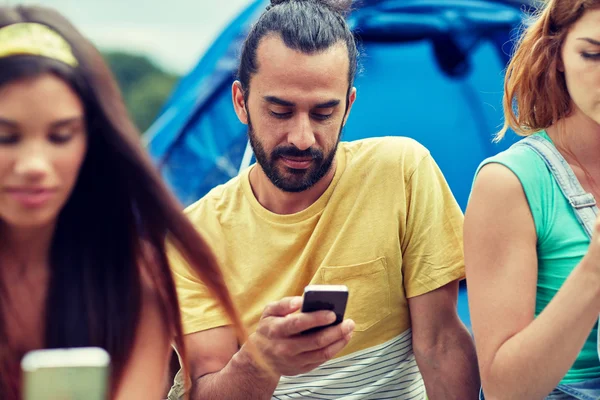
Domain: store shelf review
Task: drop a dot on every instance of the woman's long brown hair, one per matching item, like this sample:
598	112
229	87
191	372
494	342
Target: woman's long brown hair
535	91
114	226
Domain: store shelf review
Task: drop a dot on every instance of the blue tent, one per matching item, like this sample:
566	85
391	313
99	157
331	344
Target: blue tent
431	70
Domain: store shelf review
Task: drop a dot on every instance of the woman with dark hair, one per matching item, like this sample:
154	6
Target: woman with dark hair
83	215
532	233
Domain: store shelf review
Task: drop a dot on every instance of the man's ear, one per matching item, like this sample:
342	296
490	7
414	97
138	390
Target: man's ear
239	102
351	99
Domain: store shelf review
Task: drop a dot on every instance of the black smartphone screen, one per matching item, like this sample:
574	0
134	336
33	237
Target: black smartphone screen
332	300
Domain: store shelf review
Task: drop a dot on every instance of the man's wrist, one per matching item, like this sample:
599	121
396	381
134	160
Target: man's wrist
248	361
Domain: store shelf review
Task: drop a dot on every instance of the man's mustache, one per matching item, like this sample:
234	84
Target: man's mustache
292	151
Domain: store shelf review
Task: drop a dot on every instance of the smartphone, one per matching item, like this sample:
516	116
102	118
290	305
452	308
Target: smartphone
66	374
325	297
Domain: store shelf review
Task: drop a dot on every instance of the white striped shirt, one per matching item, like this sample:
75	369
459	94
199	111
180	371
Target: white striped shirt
385	371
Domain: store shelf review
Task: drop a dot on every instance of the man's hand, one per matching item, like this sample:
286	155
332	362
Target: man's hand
220	371
279	339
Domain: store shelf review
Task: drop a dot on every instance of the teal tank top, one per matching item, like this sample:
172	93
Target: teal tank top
561	241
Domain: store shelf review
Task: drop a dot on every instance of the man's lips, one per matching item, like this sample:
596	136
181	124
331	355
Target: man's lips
296	162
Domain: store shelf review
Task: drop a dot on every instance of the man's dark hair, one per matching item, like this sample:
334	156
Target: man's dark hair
309	26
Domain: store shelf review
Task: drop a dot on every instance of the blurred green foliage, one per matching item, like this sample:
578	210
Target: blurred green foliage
144	85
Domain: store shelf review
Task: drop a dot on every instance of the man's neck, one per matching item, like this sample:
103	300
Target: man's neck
284	203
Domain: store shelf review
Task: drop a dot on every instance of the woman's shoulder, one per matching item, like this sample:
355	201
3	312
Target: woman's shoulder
520	159
152	285
519	171
526	165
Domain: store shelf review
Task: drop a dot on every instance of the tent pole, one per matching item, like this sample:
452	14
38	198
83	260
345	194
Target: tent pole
247	158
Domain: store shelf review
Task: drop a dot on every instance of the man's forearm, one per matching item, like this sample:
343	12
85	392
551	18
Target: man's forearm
449	368
241	379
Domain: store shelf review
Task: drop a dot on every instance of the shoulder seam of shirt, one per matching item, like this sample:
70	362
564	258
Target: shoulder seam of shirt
428	155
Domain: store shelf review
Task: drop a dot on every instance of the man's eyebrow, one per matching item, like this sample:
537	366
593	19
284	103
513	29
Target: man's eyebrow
285	103
328	104
278	101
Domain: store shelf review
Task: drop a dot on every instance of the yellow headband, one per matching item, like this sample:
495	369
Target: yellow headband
30	38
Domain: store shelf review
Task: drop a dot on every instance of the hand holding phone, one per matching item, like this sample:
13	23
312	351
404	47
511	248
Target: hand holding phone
325	297
279	334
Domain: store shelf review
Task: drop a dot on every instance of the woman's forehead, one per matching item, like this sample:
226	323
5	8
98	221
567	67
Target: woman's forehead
43	98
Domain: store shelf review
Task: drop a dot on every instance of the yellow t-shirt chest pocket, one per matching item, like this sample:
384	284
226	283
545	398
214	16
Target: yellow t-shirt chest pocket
368	288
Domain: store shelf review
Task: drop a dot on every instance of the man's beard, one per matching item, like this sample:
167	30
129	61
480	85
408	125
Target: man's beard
288	179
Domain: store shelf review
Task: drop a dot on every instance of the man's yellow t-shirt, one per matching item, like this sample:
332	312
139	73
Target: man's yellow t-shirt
387	227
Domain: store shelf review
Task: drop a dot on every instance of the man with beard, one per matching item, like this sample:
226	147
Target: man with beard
375	215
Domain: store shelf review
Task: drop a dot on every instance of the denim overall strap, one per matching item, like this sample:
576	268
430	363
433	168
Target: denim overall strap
583	203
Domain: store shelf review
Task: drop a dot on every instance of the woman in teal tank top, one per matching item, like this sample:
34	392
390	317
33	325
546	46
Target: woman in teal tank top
533	274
